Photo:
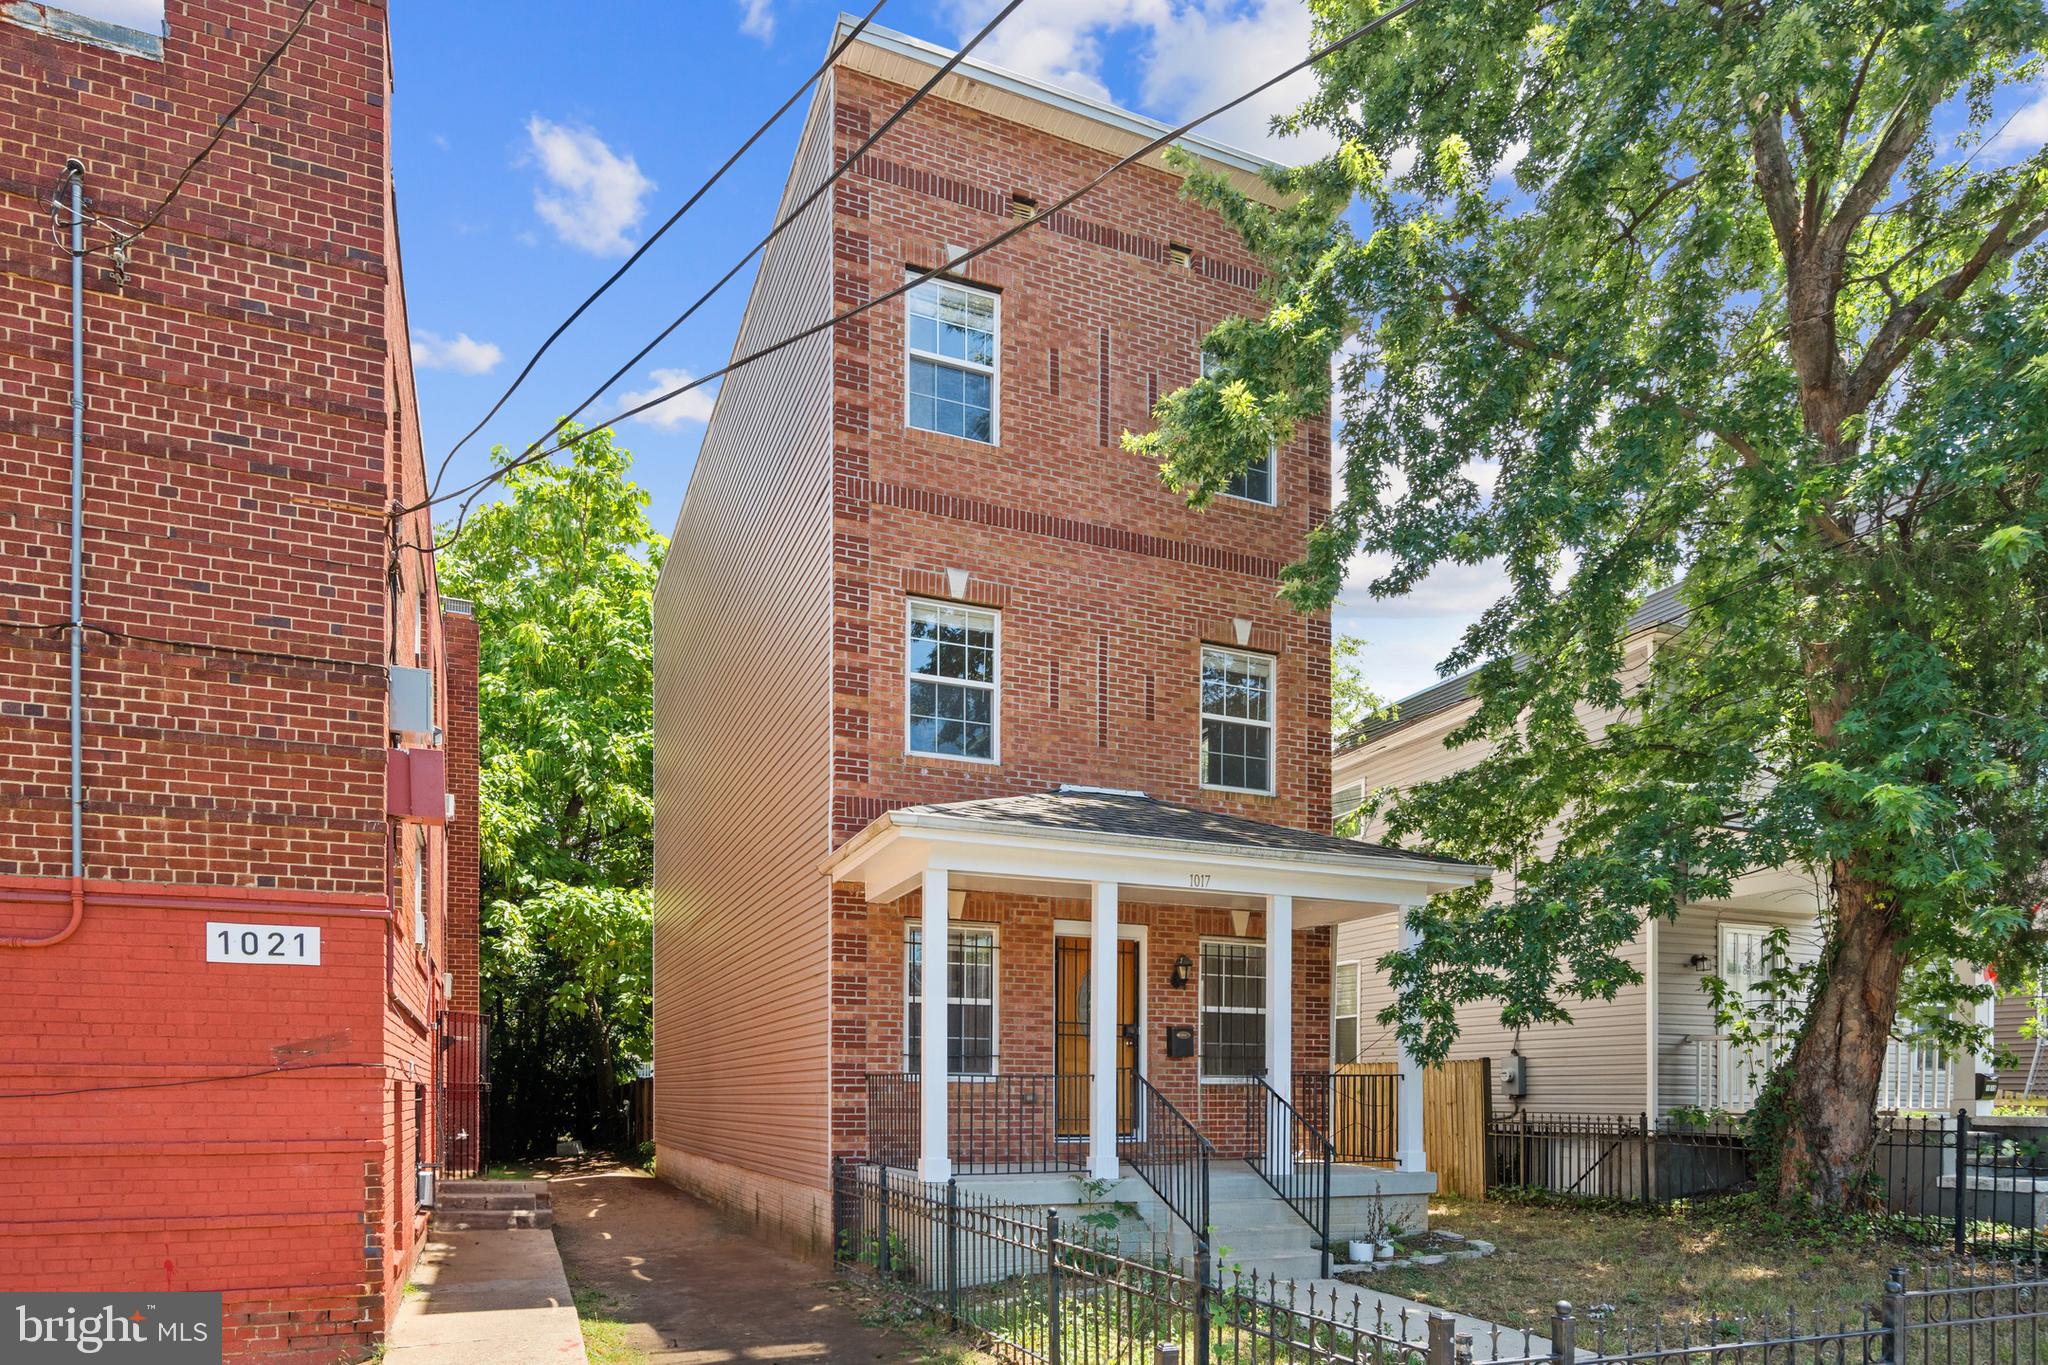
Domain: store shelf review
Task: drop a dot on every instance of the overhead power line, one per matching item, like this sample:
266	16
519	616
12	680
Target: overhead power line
851	159
470	491
123	239
656	236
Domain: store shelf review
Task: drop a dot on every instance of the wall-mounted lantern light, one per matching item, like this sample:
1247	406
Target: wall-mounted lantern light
1696	961
1182	965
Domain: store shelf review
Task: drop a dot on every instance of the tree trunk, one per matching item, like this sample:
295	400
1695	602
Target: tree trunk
1828	1094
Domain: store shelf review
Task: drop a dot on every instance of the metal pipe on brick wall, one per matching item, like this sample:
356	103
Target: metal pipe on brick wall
74	175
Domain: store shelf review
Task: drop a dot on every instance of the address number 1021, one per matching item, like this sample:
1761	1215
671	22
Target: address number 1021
289	945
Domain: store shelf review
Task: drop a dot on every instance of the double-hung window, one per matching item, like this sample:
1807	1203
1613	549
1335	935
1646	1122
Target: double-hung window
1344	1013
951	708
1254	483
1237	720
950	334
1233	1009
970	1000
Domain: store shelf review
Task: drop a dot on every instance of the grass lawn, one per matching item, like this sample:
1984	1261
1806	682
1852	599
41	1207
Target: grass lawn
512	1170
1649	1269
604	1335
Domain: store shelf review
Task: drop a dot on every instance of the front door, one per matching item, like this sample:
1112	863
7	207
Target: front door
1070	1034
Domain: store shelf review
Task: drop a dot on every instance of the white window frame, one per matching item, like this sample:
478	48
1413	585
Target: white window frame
419	886
1356	1016
1357	796
1272	498
913	993
994	686
1202	946
994	371
1271	724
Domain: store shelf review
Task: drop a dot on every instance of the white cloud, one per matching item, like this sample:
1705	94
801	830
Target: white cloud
1191	54
694	406
460	353
2026	132
757	20
593	194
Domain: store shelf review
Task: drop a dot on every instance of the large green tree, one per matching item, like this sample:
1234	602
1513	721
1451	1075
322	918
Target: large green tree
562	571
1743	294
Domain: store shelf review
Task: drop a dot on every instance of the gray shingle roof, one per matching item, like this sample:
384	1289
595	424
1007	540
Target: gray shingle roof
1089	811
1661	607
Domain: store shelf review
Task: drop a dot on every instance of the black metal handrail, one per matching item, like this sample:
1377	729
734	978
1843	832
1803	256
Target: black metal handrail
1292	1155
996	1124
1356	1109
1171	1155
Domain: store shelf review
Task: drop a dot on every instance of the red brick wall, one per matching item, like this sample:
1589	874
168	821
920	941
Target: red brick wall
459	630
869	999
1089	558
237	1127
1107	584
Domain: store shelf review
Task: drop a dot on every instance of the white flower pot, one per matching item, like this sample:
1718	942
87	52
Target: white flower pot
1387	1251
1358	1253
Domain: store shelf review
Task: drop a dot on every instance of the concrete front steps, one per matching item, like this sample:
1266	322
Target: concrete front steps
1253	1230
477	1205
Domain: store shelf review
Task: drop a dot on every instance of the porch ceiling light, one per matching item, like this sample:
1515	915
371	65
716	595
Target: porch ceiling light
1182	965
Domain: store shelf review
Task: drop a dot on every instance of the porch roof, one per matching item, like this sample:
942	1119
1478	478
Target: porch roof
1076	835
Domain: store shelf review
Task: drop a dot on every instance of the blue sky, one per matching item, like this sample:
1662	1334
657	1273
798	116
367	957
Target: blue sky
537	145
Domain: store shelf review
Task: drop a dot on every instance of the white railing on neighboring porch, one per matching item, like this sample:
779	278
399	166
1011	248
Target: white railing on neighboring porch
1726	1075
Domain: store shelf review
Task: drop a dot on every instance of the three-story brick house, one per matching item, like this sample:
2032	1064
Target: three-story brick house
938	662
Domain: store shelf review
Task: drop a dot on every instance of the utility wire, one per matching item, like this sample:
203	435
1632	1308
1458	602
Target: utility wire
851	159
471	490
122	240
654	237
284	1069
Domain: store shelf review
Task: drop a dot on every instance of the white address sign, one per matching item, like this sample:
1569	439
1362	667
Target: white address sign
288	945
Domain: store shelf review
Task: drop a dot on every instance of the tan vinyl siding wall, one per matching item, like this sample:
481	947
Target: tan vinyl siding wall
743	725
1686	1028
1599	1063
2012	1014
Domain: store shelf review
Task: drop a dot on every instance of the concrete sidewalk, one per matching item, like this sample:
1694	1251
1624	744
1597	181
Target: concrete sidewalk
497	1296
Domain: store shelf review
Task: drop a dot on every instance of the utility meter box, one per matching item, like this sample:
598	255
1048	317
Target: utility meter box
412	700
1514	1077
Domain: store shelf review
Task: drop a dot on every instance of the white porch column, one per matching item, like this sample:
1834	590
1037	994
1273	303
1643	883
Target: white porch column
934	1161
1280	995
1408	1149
1102	1025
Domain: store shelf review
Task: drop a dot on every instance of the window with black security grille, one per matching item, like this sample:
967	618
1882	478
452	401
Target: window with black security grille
970	1001
1233	1010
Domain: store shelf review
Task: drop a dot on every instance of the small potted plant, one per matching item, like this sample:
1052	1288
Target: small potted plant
1386	1249
1368	1245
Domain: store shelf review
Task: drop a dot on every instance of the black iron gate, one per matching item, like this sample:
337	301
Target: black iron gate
462	1092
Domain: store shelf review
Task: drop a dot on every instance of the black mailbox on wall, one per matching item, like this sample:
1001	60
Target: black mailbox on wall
1180	1040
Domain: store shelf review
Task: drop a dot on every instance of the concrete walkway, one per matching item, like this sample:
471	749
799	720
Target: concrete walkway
497	1296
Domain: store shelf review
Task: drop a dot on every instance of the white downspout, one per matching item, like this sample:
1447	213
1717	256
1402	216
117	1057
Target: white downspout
74	173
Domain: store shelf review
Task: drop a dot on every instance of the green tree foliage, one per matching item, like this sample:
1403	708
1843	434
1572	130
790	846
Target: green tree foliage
1745	294
1352	700
562	574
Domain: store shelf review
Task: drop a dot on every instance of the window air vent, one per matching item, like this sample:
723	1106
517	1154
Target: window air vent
1180	255
1022	206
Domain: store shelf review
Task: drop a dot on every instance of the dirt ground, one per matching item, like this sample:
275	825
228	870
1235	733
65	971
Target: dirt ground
663	1278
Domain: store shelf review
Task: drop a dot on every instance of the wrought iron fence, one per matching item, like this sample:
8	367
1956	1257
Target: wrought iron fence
1171	1156
1616	1156
994	1124
1980	1188
462	1086
1037	1287
1293	1156
1356	1110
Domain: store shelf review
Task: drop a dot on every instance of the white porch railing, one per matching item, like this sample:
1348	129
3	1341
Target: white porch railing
1726	1075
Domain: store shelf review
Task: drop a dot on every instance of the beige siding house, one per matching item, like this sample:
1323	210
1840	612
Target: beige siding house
1655	1047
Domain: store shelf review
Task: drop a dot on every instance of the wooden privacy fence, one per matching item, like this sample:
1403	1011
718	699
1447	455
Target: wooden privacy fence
1456	1106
